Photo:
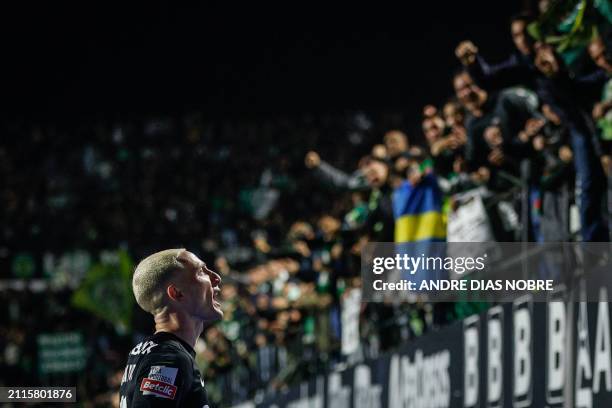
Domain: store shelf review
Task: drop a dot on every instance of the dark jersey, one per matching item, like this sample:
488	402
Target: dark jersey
161	372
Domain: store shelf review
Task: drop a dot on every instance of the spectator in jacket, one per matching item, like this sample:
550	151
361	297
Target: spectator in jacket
561	92
517	69
602	110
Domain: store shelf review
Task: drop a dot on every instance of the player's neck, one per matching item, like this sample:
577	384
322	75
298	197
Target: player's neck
184	327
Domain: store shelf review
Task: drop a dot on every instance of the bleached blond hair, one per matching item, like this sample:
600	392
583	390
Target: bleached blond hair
150	276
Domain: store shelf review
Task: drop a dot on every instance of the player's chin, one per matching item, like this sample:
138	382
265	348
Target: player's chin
212	315
215	316
211	311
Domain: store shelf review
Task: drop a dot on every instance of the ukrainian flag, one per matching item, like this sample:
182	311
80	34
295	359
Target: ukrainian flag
418	212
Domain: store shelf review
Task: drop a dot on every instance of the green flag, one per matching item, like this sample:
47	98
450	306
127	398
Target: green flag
106	291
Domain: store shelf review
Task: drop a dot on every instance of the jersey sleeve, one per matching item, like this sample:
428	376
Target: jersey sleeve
162	381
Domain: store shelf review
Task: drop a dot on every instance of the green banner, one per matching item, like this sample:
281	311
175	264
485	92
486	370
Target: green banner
61	353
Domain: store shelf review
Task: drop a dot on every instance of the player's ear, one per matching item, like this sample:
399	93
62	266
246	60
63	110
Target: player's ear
174	293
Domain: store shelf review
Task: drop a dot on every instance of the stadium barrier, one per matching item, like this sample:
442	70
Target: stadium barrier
515	354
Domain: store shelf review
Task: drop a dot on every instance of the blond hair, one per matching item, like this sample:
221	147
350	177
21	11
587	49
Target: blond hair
150	276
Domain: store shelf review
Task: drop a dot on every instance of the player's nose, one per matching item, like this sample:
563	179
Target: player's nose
215	279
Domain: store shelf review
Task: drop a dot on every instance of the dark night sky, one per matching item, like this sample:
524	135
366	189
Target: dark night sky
77	59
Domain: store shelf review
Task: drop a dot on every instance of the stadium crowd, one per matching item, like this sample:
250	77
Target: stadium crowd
284	206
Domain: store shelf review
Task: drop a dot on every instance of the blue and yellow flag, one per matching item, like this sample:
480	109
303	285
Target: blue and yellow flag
418	212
